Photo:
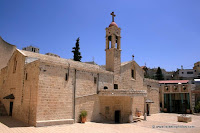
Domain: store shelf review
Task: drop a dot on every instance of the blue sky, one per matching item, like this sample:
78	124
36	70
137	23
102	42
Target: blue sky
163	33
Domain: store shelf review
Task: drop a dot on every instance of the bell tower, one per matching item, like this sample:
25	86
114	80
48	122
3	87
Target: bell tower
113	47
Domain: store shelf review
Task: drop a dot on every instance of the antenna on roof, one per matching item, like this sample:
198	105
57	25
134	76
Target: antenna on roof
93	58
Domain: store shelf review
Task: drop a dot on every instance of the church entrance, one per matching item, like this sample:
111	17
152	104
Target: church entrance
147	109
117	116
11	108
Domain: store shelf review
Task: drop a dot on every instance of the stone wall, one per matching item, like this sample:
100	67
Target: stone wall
85	84
29	92
127	82
109	104
24	91
106	80
86	93
152	87
89	104
55	94
138	104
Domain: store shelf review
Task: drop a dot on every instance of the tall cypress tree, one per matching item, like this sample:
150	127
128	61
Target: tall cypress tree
77	54
159	75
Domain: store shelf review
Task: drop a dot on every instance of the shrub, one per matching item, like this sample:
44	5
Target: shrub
83	113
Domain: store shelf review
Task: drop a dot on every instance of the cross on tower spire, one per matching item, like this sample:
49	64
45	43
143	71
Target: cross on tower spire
113	15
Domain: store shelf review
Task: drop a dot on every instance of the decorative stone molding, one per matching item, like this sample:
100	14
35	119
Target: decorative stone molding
122	92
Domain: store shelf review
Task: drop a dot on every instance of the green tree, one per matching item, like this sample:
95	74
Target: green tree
77	54
159	75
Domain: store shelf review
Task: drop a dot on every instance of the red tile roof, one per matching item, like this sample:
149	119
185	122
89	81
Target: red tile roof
113	24
173	81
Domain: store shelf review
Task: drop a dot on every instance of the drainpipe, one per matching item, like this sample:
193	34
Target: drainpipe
98	84
29	107
145	109
74	109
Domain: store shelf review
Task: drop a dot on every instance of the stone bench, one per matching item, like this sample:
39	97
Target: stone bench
184	118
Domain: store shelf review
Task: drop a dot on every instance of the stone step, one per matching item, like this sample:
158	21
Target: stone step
137	119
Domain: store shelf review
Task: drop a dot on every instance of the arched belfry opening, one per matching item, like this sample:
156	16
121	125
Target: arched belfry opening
116	46
116	42
109	41
113	46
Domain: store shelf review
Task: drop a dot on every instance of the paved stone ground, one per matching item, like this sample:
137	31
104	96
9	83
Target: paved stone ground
10	125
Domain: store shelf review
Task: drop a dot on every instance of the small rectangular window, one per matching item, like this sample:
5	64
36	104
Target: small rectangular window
66	77
115	86
95	80
15	65
189	72
26	76
132	73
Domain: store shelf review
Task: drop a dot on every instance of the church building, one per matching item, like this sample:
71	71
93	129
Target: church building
46	89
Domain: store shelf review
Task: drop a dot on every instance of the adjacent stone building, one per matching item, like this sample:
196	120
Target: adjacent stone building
176	96
47	90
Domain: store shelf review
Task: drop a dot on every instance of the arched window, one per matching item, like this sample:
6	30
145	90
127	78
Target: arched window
105	87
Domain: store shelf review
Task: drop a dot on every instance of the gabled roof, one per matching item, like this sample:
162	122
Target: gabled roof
173	81
124	63
62	61
11	96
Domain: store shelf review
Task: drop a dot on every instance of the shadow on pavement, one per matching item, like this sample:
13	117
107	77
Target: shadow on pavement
11	122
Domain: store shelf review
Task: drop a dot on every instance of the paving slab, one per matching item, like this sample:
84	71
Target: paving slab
156	123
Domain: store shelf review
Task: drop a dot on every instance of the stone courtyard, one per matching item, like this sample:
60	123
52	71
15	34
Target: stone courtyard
156	123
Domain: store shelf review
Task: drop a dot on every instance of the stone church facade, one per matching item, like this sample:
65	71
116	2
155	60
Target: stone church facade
46	90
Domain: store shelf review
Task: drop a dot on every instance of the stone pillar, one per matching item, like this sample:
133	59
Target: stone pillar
162	94
119	43
145	110
132	105
190	98
107	43
113	41
170	103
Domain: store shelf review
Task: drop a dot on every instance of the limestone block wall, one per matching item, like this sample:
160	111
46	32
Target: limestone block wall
110	59
85	83
152	87
14	83
153	95
3	78
106	80
6	51
55	93
138	104
29	92
89	104
127	81
109	104
117	61
87	86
